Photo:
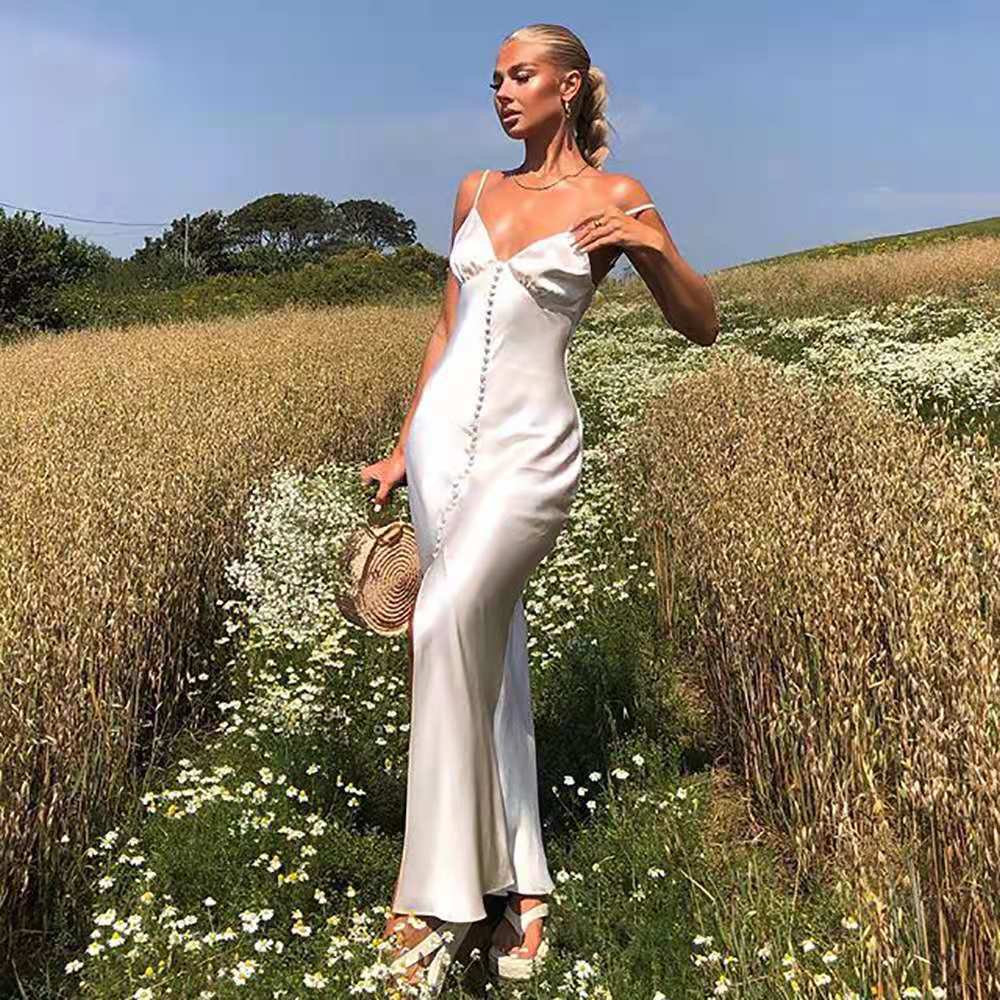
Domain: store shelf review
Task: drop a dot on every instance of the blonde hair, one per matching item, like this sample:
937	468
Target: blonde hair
587	111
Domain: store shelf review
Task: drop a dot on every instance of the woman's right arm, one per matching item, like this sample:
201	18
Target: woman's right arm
391	470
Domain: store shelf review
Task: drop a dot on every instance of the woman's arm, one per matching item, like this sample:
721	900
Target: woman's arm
685	298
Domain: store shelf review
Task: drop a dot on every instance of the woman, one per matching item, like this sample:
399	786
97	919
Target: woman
491	453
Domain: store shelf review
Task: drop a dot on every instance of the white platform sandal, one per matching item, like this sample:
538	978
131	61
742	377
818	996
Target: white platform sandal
514	966
445	939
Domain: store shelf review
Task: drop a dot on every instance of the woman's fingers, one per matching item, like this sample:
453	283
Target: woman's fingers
587	236
381	473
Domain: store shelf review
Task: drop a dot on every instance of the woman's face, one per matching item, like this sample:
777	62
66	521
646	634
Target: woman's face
529	90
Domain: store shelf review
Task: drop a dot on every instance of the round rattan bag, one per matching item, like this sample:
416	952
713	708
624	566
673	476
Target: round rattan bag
382	576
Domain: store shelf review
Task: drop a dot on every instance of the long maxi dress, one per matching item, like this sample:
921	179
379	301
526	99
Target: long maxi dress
493	457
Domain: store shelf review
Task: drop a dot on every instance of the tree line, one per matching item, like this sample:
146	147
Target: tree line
277	232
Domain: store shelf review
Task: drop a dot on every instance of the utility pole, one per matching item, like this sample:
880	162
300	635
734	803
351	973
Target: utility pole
187	225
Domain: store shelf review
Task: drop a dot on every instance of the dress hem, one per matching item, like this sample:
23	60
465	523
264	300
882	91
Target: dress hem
498	891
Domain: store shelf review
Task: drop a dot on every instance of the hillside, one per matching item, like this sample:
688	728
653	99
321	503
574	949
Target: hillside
895	241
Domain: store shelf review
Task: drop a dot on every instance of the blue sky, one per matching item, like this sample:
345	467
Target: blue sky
757	128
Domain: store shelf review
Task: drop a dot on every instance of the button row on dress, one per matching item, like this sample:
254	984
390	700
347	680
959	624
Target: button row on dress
474	434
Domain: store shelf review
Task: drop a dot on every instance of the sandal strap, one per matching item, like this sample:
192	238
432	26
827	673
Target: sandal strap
519	921
428	943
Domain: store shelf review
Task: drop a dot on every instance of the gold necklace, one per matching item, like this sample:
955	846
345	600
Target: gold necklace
544	186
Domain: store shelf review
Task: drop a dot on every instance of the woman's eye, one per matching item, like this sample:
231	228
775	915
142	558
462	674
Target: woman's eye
519	79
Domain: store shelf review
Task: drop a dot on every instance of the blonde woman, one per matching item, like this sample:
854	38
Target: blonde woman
491	453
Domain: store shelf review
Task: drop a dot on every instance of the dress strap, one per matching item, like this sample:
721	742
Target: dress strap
482	181
629	211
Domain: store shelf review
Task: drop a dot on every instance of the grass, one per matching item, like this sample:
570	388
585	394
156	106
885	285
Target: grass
890	243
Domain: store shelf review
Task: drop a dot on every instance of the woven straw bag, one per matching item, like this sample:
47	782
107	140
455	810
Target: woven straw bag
382	572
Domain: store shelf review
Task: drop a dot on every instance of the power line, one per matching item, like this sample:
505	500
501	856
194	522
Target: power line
104	234
75	218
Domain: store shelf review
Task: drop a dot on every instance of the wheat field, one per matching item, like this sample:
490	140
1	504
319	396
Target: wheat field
832	568
126	457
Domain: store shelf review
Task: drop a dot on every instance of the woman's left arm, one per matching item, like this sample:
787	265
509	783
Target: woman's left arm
684	296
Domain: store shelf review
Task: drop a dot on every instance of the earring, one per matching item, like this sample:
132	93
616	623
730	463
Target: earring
566	109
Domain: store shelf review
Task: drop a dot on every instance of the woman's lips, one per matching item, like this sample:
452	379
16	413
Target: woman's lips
510	116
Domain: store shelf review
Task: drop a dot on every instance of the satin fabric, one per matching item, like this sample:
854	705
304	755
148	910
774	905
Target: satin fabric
493	460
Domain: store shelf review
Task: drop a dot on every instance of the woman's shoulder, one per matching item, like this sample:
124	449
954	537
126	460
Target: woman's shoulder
465	195
624	191
470	181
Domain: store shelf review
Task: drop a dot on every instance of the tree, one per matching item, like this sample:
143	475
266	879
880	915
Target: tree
376	224
288	223
208	239
278	232
35	258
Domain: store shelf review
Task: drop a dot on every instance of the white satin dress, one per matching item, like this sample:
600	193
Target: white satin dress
493	460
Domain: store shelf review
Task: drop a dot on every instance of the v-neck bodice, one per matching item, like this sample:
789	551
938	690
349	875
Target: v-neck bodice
503	260
550	266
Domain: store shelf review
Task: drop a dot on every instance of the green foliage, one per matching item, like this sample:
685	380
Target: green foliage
376	224
208	240
283	232
150	273
35	259
360	275
288	223
417	259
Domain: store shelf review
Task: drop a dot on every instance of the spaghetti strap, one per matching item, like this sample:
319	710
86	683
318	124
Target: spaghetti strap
629	211
482	181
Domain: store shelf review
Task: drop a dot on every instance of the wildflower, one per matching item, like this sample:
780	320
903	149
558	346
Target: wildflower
721	986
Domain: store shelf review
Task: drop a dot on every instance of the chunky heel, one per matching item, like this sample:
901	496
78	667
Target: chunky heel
445	940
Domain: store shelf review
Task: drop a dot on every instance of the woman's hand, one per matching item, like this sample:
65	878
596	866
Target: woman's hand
614	228
390	473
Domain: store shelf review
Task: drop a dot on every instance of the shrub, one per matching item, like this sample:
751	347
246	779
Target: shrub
35	259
